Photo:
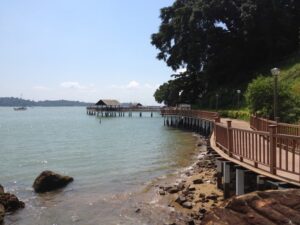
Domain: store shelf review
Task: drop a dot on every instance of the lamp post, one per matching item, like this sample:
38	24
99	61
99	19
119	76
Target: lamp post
217	101
238	95
275	72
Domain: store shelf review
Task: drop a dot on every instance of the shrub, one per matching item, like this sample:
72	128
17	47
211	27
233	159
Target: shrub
260	99
235	114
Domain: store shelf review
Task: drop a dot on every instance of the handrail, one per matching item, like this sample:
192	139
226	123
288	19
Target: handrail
272	147
191	113
277	154
262	124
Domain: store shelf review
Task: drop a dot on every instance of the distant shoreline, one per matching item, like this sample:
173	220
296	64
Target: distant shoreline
17	102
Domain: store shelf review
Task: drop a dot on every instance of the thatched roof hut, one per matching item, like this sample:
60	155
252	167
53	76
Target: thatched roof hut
108	103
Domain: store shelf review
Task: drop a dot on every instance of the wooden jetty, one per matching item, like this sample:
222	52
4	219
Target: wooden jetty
265	149
113	108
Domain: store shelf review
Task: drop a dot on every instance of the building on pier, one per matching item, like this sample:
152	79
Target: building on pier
108	104
113	108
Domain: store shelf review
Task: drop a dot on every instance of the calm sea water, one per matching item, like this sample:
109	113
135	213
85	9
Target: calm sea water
112	163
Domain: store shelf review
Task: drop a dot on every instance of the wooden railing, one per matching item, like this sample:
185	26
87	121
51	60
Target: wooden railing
271	147
274	153
208	115
262	124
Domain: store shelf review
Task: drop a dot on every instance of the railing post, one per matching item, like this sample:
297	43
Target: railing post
217	120
229	137
273	145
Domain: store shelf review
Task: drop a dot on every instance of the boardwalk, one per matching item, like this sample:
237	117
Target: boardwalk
119	111
265	151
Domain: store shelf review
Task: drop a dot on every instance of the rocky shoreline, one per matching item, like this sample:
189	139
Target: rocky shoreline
195	193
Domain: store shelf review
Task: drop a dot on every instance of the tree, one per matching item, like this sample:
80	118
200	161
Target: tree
168	93
221	42
260	99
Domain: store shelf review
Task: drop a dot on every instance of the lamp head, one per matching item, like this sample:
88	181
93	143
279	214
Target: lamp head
238	91
275	71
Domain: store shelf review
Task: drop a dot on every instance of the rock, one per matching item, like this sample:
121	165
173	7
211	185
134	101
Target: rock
212	197
198	181
187	205
173	190
1	189
162	192
201	216
49	181
192	188
181	199
202	210
167	188
2	213
180	186
137	210
190	222
202	195
188	173
10	202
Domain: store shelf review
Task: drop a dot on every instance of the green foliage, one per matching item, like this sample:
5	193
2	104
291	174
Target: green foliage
222	42
290	72
260	99
167	93
235	114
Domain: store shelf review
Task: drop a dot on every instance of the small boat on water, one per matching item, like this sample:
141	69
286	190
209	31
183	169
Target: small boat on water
22	108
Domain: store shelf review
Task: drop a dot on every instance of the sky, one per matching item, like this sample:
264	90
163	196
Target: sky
82	50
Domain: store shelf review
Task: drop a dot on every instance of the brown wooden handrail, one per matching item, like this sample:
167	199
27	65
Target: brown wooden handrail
262	124
208	115
271	147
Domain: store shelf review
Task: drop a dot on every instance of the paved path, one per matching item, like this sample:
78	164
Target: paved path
241	124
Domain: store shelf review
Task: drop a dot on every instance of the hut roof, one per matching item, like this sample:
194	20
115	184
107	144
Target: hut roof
131	104
108	102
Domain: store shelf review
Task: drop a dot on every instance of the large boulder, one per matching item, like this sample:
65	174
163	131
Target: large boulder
49	181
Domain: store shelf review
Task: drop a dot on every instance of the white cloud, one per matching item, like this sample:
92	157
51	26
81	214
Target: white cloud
77	86
133	85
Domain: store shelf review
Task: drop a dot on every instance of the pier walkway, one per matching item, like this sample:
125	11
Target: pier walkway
95	110
262	146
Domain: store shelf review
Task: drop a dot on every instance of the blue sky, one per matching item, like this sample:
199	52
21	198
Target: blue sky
80	50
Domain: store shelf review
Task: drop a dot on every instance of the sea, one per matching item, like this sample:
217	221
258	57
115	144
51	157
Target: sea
116	163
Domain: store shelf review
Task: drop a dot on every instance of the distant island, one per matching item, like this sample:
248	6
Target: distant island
16	102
